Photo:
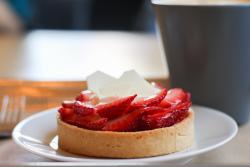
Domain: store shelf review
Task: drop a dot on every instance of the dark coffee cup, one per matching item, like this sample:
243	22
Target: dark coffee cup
207	47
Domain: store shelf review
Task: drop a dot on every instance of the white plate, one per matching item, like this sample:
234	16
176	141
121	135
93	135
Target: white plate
37	134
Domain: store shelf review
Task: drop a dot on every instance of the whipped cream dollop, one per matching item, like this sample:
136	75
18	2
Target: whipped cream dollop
129	83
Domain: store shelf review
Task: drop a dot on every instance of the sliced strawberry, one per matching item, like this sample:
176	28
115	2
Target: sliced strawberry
83	108
165	104
93	122
97	124
183	106
68	104
152	110
86	95
174	97
115	108
64	112
151	101
67	115
164	119
128	122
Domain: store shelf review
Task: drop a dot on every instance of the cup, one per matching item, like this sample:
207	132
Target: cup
207	47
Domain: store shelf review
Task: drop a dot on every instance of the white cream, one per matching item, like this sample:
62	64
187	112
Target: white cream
129	83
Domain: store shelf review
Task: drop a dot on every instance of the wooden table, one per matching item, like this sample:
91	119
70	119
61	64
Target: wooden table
44	92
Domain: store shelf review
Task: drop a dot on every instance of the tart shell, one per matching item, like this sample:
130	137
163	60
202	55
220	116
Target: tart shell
139	144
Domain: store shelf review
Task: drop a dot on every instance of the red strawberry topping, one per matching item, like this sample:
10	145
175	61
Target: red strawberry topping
68	104
175	96
152	110
83	108
93	122
164	109
68	115
115	108
98	124
128	122
86	95
151	101
65	112
163	119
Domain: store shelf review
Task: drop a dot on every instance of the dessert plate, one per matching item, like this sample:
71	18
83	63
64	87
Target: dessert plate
38	135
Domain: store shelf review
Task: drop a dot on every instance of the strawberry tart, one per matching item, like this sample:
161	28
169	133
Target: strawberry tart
131	126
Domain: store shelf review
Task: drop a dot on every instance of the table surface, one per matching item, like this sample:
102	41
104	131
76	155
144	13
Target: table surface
72	55
45	94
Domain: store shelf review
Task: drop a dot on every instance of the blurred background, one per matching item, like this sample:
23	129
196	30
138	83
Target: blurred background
125	15
48	48
84	34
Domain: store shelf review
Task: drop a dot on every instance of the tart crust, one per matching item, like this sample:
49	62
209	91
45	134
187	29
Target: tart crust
127	144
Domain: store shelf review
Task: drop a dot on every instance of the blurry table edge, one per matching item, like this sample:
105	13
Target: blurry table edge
42	95
13	82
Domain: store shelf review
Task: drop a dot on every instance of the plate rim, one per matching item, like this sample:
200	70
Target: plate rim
16	133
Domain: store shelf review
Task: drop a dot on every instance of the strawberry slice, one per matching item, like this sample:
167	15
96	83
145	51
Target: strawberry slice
92	122
165	104
152	110
87	95
64	112
128	122
83	108
67	115
115	108
174	97
168	117
151	101
183	106
68	104
97	124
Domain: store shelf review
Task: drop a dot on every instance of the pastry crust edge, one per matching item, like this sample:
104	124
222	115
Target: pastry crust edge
108	144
